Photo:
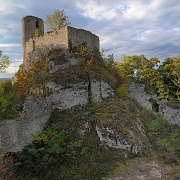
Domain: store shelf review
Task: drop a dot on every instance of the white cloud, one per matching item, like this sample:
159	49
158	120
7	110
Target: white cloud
98	10
127	27
135	11
9	45
9	7
143	27
162	4
11	70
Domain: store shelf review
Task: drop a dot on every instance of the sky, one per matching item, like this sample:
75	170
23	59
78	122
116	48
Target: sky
131	27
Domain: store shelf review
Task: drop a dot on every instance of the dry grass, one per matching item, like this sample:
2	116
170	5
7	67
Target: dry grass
6	172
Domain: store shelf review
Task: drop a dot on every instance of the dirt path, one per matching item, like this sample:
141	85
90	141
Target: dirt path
142	169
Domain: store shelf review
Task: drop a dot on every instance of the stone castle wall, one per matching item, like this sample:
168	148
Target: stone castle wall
67	37
29	25
59	38
79	36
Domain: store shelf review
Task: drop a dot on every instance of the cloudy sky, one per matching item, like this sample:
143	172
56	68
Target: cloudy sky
149	27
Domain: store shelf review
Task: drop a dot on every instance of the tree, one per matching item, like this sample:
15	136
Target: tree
164	80
57	20
9	103
4	62
170	77
138	68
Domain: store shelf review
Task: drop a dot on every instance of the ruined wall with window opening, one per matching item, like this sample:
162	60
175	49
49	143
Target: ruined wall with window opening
67	37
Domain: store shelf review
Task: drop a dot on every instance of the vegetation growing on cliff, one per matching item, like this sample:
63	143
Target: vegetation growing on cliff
68	150
9	101
27	82
32	80
4	62
69	147
52	149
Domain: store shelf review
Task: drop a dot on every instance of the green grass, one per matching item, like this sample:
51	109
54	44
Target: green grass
165	139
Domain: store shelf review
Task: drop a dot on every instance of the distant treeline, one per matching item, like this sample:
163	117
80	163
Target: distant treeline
4	79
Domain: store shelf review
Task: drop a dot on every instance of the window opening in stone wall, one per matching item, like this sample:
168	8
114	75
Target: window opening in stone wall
33	45
37	23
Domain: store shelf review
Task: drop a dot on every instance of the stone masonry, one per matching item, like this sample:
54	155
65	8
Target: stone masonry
67	37
29	25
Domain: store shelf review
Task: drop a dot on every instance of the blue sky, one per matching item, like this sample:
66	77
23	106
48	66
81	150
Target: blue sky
149	27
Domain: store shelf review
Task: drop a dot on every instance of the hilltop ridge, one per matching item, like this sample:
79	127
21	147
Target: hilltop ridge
76	118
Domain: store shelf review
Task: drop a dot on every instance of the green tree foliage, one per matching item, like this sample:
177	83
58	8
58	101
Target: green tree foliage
38	33
121	85
9	102
4	62
50	150
169	79
57	20
100	66
110	63
137	68
163	80
165	139
31	81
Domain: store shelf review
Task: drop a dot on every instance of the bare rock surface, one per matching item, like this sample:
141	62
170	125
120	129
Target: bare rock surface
150	101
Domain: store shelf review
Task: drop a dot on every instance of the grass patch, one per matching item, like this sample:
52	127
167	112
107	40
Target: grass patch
165	139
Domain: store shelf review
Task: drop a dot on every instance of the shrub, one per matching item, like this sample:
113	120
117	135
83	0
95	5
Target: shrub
32	80
9	101
166	139
122	90
50	150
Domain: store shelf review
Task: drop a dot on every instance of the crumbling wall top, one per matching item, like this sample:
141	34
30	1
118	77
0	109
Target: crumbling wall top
67	37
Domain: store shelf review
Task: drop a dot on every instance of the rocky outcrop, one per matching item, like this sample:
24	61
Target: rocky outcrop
114	139
77	94
16	134
129	138
151	102
65	90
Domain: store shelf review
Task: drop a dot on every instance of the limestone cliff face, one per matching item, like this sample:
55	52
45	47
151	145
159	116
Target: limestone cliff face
65	90
68	87
150	101
16	134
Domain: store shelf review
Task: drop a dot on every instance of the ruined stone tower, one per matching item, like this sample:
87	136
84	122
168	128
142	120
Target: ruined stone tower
66	37
29	26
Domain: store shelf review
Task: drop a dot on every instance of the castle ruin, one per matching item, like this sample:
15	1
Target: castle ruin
67	37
